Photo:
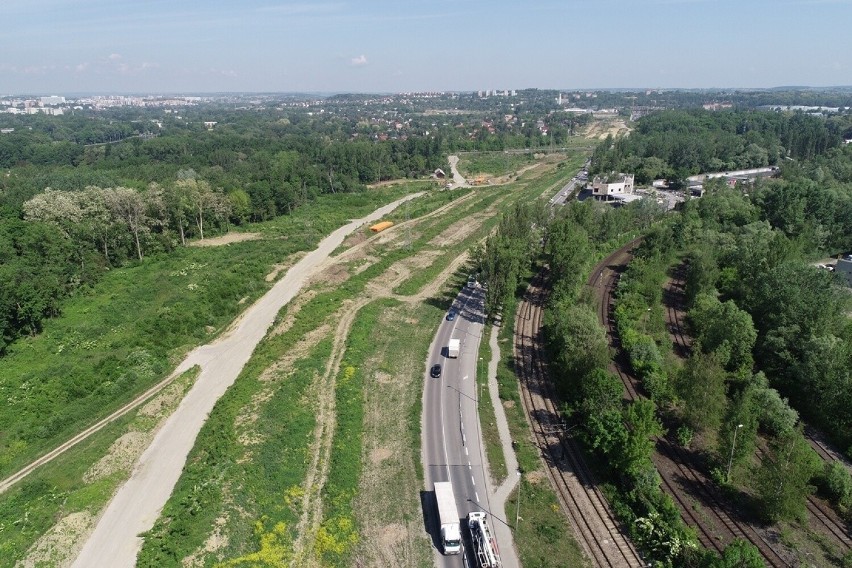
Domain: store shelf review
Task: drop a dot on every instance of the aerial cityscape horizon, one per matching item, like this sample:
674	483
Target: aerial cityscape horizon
483	92
62	46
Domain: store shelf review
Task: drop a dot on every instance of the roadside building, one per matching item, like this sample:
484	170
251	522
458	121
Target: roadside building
736	176
612	187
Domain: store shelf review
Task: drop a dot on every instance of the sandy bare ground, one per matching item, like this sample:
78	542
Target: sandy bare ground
137	504
226	239
601	128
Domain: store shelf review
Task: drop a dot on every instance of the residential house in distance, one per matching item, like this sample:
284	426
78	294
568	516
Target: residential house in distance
614	187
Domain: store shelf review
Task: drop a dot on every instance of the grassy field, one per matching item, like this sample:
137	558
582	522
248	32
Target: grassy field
493	163
130	331
490	435
77	484
243	498
387	345
182	532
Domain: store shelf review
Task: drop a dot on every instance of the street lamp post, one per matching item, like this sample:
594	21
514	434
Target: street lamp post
518	510
733	446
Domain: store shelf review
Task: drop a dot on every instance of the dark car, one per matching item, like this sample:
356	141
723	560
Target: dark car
436	371
451	315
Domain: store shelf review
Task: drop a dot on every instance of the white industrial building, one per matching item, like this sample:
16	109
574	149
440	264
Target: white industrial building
613	187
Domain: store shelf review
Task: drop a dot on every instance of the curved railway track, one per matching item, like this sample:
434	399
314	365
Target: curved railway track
822	518
699	501
594	523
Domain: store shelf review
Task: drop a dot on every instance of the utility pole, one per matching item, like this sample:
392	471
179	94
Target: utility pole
733	446
518	510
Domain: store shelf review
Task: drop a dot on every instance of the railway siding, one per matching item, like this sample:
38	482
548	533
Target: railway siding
822	518
696	498
595	525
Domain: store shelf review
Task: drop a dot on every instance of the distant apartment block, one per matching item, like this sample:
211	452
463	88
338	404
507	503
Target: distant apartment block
52	101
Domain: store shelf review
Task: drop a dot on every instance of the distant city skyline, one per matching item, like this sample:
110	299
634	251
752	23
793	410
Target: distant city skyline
124	46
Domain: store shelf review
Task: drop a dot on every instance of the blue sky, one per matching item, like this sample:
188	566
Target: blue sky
62	46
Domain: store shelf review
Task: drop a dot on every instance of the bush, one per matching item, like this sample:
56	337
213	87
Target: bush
684	436
776	416
837	483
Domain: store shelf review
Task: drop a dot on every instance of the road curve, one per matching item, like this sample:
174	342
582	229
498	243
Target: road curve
458	179
137	504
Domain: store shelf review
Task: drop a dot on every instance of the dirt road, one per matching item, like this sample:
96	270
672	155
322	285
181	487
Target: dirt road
458	179
137	504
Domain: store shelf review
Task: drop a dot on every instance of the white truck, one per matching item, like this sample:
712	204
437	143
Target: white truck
453	348
448	516
484	545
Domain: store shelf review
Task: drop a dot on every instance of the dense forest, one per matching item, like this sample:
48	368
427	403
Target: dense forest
676	144
772	336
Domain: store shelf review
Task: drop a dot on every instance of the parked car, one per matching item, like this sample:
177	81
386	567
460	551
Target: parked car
435	371
451	315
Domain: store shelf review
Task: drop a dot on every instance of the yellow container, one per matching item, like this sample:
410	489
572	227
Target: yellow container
379	227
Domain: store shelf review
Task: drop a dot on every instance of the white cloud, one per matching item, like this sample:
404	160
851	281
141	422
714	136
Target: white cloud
303	9
360	60
37	69
114	57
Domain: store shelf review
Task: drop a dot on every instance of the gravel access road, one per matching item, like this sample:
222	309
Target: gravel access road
137	504
458	179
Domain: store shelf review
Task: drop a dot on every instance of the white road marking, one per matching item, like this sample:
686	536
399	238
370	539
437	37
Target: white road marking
472	480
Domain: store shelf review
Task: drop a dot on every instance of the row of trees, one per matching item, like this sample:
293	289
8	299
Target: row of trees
68	238
507	255
121	222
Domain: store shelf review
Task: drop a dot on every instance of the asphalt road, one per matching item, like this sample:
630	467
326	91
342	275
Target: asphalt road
452	450
562	195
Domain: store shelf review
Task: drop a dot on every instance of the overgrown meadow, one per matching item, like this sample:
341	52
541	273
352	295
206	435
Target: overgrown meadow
131	329
218	487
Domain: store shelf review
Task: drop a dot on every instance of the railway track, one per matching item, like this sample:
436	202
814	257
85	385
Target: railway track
698	500
821	517
594	523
